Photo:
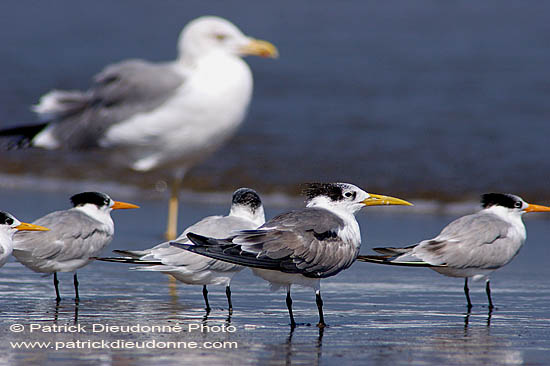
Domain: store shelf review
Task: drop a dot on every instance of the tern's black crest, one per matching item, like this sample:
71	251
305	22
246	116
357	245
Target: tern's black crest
97	198
334	191
5	218
247	197
500	199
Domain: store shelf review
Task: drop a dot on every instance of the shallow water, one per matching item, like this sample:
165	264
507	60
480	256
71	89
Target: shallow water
377	315
423	99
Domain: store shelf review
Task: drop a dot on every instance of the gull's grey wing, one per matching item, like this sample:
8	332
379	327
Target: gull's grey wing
479	240
303	241
120	91
72	235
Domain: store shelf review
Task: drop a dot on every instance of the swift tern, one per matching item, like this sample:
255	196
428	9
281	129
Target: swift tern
75	235
301	246
246	213
9	225
157	116
472	246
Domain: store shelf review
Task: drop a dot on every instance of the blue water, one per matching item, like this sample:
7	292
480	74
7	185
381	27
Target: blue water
441	100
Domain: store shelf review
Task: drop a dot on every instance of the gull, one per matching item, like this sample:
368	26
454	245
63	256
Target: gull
246	213
157	116
75	235
9	225
301	246
472	246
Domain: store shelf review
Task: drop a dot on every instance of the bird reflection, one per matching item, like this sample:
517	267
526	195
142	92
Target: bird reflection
467	320
297	352
58	307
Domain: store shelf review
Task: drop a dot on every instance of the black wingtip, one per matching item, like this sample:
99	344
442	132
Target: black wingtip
198	239
21	137
373	258
181	245
127	260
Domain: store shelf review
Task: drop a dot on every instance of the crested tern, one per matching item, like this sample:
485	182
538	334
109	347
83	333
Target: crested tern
472	246
246	212
75	235
301	246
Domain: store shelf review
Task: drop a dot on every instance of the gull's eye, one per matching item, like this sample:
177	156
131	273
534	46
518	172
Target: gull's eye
220	37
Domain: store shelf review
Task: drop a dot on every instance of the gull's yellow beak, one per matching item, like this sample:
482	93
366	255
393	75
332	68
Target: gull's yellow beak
123	205
378	200
30	227
537	208
260	48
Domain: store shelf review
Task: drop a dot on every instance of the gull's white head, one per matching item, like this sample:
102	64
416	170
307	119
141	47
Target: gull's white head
246	203
345	196
506	203
209	34
10	225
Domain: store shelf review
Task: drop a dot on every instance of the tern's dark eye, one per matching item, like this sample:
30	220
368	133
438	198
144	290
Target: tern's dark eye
518	204
349	194
8	221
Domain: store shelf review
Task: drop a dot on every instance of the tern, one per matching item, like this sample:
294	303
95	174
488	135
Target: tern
472	246
157	116
301	246
75	235
246	213
9	225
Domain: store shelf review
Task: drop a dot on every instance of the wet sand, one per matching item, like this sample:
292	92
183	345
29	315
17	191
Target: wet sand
377	315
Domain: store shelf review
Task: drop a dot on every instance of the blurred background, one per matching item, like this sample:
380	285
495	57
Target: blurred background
434	100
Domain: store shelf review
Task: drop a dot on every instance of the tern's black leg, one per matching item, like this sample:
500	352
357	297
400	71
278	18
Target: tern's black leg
488	291
319	302
75	281
228	294
289	306
205	295
56	285
467	293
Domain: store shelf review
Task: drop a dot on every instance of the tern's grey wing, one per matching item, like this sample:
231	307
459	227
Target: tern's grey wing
72	235
120	91
479	240
303	241
212	226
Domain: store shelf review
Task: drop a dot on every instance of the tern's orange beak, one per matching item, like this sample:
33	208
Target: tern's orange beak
30	227
537	208
123	205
